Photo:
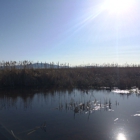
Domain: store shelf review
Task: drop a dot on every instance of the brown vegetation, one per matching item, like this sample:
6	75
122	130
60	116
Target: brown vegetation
81	77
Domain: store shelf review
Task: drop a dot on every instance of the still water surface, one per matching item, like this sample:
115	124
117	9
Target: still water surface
74	114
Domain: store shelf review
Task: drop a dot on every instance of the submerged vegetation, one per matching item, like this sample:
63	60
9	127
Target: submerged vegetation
25	74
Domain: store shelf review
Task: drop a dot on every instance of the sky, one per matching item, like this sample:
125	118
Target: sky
77	32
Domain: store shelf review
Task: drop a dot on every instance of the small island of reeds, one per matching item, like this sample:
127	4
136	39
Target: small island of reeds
27	75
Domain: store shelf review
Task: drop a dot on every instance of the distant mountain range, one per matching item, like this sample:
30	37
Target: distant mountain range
36	66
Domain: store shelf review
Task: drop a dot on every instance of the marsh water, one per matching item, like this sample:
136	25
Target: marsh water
70	114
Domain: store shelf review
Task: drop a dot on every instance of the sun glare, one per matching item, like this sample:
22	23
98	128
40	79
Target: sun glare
121	137
118	6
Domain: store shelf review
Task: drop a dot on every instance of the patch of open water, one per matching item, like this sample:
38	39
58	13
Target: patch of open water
75	114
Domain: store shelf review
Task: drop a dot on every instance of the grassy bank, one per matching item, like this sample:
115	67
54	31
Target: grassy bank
96	77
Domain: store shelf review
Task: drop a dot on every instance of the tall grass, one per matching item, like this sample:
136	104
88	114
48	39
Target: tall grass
27	74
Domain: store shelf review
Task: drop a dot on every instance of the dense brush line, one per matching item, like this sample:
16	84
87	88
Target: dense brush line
81	77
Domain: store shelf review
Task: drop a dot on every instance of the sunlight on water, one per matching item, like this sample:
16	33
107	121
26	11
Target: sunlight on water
77	114
121	136
137	115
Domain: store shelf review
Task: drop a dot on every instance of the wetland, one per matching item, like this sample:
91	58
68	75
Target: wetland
70	114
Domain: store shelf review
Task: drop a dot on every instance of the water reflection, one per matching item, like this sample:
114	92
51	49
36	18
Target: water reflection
69	100
82	102
8	101
63	113
121	136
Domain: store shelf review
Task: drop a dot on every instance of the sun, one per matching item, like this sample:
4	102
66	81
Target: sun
118	6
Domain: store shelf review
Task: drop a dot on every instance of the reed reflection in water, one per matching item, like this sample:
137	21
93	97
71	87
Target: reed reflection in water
77	114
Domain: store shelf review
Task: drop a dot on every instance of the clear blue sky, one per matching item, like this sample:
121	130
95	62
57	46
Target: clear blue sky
71	31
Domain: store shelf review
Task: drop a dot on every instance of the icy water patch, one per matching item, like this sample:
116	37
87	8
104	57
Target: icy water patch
132	90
